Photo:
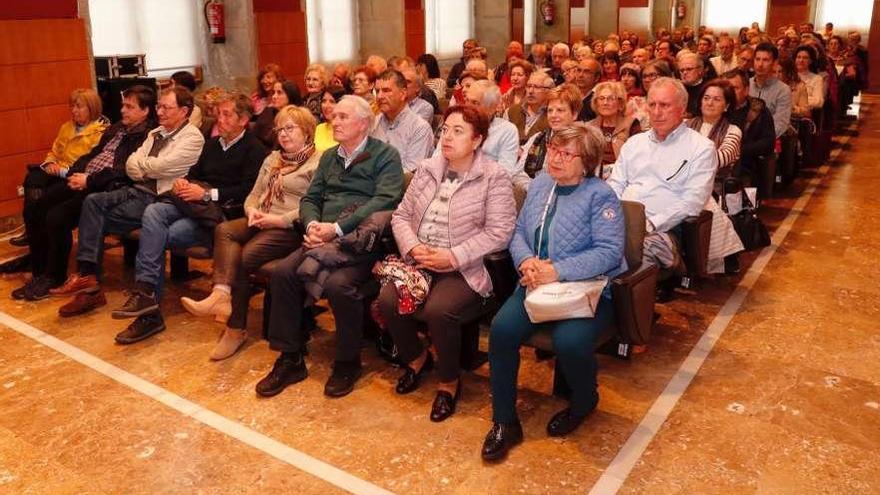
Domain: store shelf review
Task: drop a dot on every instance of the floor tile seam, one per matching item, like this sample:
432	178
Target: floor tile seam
622	465
268	445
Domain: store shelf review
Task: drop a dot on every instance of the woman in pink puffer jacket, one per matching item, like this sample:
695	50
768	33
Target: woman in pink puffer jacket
458	208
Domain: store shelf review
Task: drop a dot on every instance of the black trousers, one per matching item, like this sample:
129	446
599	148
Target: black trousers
342	290
450	303
50	215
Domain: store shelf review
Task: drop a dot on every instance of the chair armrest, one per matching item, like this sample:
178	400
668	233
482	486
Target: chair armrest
633	294
502	273
695	236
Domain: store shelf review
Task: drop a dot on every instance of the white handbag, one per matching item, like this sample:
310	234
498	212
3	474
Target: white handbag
562	300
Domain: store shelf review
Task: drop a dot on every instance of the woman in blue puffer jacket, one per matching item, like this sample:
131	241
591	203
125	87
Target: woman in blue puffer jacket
570	228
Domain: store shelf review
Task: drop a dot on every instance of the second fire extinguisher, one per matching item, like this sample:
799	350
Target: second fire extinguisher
215	18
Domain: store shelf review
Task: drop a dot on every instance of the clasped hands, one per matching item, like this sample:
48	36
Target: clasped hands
537	272
187	191
318	234
433	258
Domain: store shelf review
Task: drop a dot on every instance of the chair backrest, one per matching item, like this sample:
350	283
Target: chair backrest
519	195
634	219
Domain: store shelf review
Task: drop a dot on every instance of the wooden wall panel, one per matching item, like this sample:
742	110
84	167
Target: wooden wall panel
281	37
784	12
414	28
41	61
38	9
13	139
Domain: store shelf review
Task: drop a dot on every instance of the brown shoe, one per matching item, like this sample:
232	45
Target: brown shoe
76	284
231	341
83	303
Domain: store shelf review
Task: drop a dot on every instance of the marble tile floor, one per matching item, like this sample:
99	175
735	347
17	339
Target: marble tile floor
787	402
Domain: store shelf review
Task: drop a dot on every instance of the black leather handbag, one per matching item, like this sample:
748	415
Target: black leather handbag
750	229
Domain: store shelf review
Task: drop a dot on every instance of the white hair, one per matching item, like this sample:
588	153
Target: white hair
361	106
676	85
562	47
491	93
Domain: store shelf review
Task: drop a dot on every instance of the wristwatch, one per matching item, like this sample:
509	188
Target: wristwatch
207	196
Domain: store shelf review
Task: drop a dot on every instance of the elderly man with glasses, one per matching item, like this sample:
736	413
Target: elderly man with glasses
165	156
530	116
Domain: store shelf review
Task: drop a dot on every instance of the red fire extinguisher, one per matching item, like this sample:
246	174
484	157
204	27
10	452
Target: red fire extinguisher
215	18
681	9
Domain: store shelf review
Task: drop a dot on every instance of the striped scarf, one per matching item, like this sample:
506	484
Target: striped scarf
287	163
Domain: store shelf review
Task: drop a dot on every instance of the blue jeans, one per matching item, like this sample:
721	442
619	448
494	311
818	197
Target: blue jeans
573	342
164	226
113	212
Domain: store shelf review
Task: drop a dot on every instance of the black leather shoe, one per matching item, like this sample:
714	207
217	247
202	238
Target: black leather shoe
141	328
19	240
21	292
343	378
38	289
411	378
288	369
444	404
563	423
500	439
16	265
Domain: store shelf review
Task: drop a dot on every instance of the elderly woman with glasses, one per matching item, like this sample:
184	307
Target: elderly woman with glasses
267	232
609	103
637	106
563	105
570	228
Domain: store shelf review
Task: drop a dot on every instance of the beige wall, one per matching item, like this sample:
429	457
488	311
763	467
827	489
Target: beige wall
492	27
603	17
381	28
559	30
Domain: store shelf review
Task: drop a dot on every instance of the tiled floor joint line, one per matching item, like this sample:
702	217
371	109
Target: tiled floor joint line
617	472
253	438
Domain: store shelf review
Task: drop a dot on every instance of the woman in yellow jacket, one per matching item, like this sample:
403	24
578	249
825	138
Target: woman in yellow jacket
76	137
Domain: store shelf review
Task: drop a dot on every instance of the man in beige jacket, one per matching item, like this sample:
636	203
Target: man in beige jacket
166	155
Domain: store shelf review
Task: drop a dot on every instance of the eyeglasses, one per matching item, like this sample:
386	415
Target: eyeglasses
288	129
566	156
650	76
687	69
537	87
606	98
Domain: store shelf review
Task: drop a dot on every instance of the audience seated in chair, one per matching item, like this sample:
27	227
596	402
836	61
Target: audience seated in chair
458	208
165	156
570	228
609	104
530	116
563	104
53	218
269	231
397	124
670	169
355	180
186	217
75	138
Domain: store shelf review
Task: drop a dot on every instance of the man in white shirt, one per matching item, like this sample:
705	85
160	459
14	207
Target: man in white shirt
726	61
397	124
669	169
502	144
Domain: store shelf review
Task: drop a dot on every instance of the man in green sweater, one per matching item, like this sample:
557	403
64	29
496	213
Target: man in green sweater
360	176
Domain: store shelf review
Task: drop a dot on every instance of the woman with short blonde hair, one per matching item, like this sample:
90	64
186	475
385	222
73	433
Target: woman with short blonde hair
316	79
267	232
